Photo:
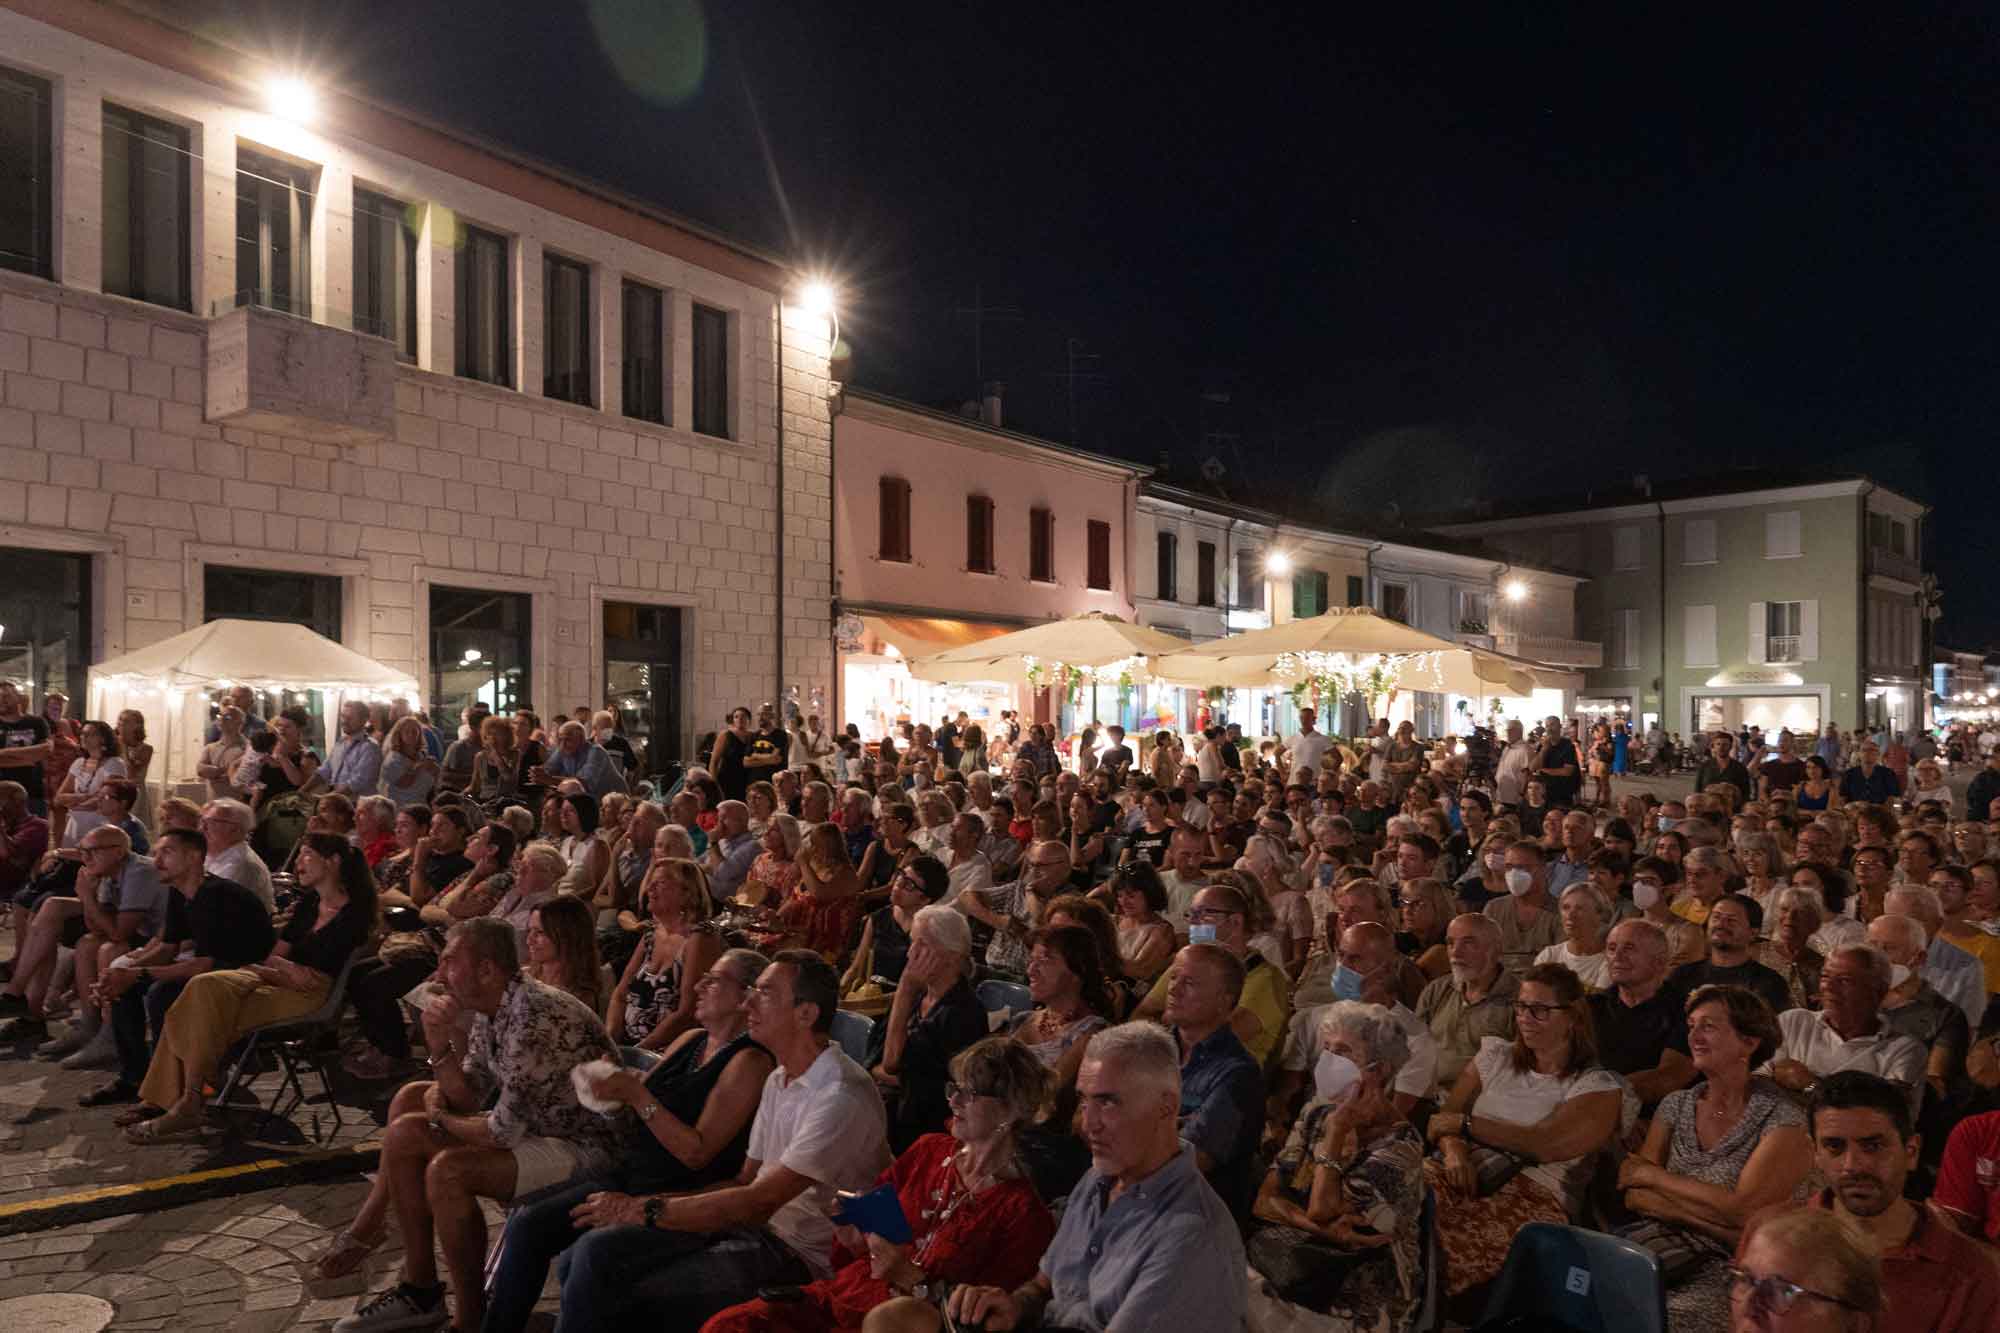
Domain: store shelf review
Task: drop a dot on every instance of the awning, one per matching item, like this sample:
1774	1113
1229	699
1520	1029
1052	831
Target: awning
920	636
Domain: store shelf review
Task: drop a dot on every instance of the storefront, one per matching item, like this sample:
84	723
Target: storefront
1771	700
877	691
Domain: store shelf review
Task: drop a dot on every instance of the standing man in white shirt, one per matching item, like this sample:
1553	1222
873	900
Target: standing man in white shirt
1517	761
668	1261
1307	748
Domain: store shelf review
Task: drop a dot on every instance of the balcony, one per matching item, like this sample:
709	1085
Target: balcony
1906	569
1782	649
275	372
1549	649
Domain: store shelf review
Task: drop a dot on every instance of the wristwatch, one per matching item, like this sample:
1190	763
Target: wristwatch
653	1205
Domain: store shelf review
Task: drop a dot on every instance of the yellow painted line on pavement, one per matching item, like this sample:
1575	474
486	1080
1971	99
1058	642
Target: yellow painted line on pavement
188	1187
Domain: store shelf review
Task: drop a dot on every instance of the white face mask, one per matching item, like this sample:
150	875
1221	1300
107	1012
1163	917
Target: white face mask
1520	882
1898	974
1645	897
1334	1075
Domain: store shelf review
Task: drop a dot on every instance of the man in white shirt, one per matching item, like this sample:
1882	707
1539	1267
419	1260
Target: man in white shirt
1183	877
1378	750
970	868
1368	973
1307	748
670	1261
227	824
1193	810
1846	1031
1517	761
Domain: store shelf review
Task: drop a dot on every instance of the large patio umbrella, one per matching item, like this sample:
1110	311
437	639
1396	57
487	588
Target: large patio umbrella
1085	649
1350	651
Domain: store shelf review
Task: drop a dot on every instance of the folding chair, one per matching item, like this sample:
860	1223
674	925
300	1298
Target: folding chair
1580	1281
853	1031
1009	995
297	1044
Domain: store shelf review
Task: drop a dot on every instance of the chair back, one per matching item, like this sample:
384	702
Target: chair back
336	996
1568	1278
1009	995
638	1058
853	1031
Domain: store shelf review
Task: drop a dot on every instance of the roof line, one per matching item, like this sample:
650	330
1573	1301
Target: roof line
987	428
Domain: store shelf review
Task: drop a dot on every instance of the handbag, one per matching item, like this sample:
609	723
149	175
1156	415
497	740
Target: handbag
1494	1168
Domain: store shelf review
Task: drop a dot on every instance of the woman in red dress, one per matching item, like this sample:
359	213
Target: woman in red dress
823	911
973	1216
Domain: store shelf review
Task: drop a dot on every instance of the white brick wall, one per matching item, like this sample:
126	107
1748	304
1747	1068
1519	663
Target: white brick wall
102	431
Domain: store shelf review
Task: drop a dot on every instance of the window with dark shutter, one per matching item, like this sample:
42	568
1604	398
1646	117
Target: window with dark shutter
1249	580
710	400
979	534
145	217
1204	574
643	352
1041	546
485	321
385	270
1168	588
565	330
1100	555
1319	593
895	544
27	175
1357	590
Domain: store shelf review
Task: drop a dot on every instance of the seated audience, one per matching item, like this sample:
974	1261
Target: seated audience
1145	936
1473	1003
1581	949
1729	962
1714	1155
654	1001
226	825
1222	1088
1519	1135
501	1121
1806	1269
877	965
332	917
1144	1243
1425	911
1527	918
1957	975
974	1216
670	1261
1015	910
934	1016
1343	1199
1847	1031
561	950
1968	1185
823	913
1221	916
775	873
1641	1025
1363	974
686	1127
1795	917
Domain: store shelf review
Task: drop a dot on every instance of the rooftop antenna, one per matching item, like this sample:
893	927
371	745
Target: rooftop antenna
981	312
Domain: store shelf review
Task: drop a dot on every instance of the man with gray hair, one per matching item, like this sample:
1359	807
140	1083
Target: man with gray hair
375	829
731	850
1957	975
1145	1242
970	868
226	824
1472	1002
1914	1009
119	900
577	756
1846	1031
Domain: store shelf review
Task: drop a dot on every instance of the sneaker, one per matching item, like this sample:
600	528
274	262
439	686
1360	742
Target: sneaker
75	1040
100	1052
23	1028
401	1306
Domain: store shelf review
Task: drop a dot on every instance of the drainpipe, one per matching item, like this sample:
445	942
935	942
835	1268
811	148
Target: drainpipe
778	561
1661	509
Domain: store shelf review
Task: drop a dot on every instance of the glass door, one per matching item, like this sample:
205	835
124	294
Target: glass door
642	681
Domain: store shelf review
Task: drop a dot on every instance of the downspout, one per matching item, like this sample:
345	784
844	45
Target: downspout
834	403
778	554
1661	509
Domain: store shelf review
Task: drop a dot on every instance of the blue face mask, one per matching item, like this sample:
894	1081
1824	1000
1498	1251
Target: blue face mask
1204	933
1347	983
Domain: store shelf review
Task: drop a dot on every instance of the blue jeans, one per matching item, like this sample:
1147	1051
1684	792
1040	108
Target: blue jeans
669	1281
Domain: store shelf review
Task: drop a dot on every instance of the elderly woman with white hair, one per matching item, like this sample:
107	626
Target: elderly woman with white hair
1268	860
1787	949
934	1016
775	872
1344	1196
1585	918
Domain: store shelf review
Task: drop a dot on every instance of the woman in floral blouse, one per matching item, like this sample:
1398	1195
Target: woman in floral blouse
654	1001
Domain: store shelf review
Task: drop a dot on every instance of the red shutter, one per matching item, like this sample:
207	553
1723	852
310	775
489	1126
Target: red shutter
1100	555
895	524
979	534
1041	546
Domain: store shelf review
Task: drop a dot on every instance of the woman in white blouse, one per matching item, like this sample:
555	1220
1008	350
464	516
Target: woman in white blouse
1581	949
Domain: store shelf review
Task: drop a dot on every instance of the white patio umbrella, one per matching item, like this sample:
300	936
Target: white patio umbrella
1354	651
1089	648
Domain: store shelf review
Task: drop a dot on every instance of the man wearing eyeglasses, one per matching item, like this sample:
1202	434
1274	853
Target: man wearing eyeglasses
1935	1278
1220	916
1015	909
119	898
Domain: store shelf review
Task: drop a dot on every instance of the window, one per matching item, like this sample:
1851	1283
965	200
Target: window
480	650
644	352
1098	533
385	270
1625	639
711	372
1698	541
485	316
146	209
1781	535
1204	573
1041	546
1309	594
1249	580
566	330
1784	631
27	170
894	543
1167	589
1898	538
1357	590
1396	602
1625	548
1878	530
979	534
312	600
1472	613
45	604
274	207
1698	636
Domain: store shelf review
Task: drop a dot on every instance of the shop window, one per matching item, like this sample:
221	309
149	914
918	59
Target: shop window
481	649
312	600
45	608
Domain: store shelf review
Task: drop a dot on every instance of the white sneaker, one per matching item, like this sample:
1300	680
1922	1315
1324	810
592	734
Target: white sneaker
100	1052
400	1307
68	1044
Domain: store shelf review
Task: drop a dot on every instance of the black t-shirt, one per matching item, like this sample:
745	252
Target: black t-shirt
1232	758
1150	845
22	732
621	747
1783	774
1684	980
729	771
1631	1039
325	950
1732	773
1562	790
1118	759
947	744
226	923
767	745
441	868
1103	814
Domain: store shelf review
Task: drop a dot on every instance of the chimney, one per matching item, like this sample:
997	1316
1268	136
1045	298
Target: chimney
991	403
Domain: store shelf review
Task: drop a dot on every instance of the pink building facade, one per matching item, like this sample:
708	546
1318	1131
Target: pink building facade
947	530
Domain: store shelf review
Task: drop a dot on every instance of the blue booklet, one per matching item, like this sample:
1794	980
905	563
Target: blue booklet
878	1212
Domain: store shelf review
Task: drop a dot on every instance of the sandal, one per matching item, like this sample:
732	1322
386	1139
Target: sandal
137	1115
165	1129
343	1255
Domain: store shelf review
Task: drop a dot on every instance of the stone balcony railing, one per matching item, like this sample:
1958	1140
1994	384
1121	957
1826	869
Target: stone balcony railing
275	372
1551	649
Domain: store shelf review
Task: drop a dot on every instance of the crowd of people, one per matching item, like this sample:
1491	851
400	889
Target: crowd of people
955	1026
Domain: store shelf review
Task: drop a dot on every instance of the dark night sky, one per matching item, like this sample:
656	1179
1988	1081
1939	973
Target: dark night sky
1527	253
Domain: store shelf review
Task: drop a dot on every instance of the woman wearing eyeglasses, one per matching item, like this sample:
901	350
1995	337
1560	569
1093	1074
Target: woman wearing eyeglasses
1801	1270
974	1217
1519	1134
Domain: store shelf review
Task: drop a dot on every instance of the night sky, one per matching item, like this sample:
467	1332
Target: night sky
1410	260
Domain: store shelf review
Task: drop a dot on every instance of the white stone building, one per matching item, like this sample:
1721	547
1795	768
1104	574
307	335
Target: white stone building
507	430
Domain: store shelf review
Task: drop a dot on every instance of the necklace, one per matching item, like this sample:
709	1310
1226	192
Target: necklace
945	1202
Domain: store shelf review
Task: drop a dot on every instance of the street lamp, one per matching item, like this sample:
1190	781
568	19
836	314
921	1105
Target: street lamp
1516	590
291	98
1278	564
